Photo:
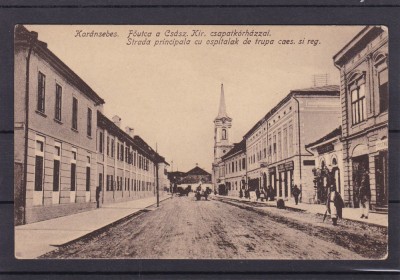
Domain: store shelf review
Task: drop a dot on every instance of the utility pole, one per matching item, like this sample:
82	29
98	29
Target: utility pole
157	184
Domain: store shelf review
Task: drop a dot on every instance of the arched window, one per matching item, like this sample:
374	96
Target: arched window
334	161
380	61
223	134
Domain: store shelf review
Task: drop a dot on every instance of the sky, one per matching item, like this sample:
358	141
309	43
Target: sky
170	94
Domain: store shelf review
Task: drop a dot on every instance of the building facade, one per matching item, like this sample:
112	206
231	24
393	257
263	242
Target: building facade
275	146
234	163
126	165
364	91
222	142
55	134
328	157
195	177
64	147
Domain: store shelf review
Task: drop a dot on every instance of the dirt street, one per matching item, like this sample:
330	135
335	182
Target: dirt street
183	228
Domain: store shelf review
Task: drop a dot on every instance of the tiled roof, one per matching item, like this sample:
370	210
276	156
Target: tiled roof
197	171
330	135
237	148
328	90
137	142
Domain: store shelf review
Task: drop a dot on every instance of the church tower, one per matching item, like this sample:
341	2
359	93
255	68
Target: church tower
222	127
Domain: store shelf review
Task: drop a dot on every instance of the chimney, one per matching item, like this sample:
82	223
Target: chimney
117	120
129	131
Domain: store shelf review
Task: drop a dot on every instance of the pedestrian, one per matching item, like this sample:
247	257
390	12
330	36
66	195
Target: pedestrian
335	204
247	194
271	193
98	190
364	195
296	192
257	194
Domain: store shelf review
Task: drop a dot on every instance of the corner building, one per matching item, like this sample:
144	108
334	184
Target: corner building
364	92
54	134
275	145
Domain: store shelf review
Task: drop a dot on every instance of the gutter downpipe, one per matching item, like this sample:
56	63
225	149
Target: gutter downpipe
350	202
31	40
298	129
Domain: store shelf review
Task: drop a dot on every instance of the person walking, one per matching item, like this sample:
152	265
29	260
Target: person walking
364	195
296	192
334	205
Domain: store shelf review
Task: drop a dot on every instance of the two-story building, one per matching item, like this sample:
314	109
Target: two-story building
275	145
64	146
126	164
234	163
55	134
364	91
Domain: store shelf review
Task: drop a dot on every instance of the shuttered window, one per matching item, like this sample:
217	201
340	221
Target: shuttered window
87	178
58	103
73	176
41	92
39	173
75	113
56	176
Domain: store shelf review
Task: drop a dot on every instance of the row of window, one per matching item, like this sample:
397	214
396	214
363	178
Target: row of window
235	166
130	184
233	186
41	105
39	167
358	98
280	147
126	155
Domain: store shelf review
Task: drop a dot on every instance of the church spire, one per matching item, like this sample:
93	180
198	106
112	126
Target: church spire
222	108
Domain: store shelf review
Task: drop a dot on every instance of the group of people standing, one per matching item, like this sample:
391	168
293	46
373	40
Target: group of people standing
268	193
335	203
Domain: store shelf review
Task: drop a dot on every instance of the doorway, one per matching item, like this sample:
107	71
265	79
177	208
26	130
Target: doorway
360	163
381	177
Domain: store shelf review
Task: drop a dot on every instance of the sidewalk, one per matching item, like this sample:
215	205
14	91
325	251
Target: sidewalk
36	239
348	213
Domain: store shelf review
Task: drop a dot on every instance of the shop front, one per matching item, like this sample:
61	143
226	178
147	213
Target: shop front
381	173
272	178
285	173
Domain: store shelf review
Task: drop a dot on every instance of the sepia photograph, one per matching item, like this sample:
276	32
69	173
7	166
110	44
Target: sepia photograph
201	142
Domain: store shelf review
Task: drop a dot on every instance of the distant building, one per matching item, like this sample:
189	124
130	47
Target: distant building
275	145
222	141
54	134
195	177
175	176
164	183
364	91
234	163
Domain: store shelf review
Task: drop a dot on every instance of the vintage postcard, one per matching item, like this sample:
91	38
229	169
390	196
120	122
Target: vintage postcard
201	142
